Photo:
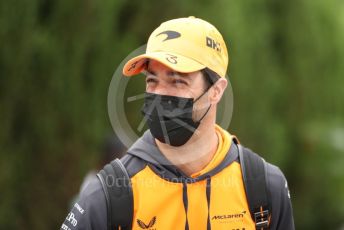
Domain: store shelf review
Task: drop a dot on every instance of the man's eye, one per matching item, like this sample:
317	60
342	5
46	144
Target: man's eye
150	80
177	81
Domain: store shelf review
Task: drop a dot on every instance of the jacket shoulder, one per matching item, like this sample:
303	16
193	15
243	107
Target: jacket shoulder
89	212
277	185
133	164
279	198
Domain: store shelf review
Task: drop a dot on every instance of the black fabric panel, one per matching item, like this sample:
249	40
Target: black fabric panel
117	188
279	197
102	175
254	177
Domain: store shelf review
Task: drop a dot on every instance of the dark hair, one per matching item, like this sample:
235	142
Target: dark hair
210	77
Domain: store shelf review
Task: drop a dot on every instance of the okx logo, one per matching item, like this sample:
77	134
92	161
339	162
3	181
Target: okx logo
146	226
213	44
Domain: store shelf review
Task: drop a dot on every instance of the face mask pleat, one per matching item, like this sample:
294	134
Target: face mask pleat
169	118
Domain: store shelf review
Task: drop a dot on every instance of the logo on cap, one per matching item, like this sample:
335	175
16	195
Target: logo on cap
171	58
170	34
213	44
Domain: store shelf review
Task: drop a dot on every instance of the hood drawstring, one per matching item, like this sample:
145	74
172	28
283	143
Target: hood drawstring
208	191
185	203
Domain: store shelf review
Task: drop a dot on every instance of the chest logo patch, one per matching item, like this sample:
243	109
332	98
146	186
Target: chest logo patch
236	216
146	226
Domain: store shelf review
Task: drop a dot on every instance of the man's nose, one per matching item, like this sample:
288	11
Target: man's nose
163	88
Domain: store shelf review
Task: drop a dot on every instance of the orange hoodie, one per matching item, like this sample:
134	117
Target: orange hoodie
213	198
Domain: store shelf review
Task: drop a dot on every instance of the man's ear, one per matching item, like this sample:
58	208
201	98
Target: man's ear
217	90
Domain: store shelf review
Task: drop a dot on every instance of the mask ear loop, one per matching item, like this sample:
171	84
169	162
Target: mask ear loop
202	94
204	114
208	107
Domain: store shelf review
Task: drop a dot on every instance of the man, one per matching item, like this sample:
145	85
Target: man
184	171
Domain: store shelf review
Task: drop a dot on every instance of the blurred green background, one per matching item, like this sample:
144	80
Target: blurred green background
57	59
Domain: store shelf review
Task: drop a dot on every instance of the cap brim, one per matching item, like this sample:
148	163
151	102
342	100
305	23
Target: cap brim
174	61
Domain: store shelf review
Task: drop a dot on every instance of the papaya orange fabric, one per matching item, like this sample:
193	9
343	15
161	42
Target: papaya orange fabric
158	203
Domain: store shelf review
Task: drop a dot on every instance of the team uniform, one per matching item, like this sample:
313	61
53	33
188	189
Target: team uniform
165	198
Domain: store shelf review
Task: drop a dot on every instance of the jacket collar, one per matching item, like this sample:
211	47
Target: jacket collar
146	149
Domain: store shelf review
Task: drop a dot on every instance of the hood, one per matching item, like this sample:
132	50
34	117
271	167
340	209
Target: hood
146	149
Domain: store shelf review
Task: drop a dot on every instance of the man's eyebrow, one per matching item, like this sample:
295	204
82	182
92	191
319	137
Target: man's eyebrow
169	73
150	71
173	73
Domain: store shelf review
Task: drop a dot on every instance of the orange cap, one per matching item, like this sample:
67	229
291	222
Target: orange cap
184	45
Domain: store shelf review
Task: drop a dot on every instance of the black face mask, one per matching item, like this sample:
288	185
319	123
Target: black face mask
169	118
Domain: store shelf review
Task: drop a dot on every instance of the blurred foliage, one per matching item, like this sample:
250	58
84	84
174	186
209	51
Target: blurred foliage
57	59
